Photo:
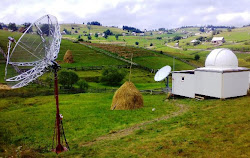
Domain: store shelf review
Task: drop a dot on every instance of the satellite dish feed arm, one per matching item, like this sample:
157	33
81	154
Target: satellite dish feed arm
11	39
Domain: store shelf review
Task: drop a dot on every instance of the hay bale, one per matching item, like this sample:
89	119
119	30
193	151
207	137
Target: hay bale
127	97
4	87
68	57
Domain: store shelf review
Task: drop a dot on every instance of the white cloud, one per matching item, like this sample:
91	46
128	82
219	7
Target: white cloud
138	13
205	10
231	17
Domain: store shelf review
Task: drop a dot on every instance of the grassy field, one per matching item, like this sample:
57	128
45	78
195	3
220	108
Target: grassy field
87	116
209	128
94	29
179	127
84	56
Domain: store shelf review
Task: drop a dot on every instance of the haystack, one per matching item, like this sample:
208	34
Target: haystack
127	97
68	57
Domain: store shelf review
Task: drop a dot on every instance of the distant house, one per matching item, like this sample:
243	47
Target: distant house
218	40
195	42
176	45
124	34
160	32
63	33
133	33
142	34
196	34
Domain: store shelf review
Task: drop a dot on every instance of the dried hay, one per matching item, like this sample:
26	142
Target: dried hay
127	97
4	87
68	57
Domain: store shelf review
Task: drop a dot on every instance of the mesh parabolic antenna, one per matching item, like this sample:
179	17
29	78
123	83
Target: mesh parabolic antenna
34	54
162	73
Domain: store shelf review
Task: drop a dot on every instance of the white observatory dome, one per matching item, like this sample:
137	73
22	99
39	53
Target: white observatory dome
221	58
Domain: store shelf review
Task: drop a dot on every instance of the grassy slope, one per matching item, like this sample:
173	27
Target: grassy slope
94	29
30	121
84	56
210	128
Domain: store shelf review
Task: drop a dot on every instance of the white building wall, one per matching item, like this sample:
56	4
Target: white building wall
235	84
184	87
208	83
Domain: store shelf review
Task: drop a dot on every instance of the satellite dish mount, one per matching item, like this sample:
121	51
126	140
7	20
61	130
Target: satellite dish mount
35	53
162	74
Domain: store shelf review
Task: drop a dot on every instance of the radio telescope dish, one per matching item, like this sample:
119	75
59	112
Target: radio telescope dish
34	54
162	73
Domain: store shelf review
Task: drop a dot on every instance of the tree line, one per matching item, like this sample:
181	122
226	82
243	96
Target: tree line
131	29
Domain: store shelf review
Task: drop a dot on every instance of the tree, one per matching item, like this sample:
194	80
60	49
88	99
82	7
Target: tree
116	36
12	26
112	76
201	38
67	78
196	43
83	85
89	27
66	31
131	29
137	43
26	25
176	38
89	37
45	29
202	29
108	32
105	36
162	29
94	23
196	57
96	35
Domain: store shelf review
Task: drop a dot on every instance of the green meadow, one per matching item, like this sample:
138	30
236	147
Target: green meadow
174	127
206	128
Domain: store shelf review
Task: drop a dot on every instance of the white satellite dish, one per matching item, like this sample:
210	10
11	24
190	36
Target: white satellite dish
162	73
34	54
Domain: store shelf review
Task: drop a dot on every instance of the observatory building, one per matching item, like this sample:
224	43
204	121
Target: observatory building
220	78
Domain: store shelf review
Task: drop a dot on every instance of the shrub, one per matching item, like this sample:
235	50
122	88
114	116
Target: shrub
151	44
137	43
196	43
112	76
177	38
196	57
89	37
83	85
67	78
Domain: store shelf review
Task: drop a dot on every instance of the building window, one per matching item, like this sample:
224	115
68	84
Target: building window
182	78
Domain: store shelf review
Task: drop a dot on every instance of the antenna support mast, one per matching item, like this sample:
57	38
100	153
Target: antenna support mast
59	126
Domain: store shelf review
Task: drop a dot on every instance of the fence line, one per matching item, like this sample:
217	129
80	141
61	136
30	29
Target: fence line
119	58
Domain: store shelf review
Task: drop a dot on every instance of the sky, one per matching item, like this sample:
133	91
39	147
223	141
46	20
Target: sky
142	14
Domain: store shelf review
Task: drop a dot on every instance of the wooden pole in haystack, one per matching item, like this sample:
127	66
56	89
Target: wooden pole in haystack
130	67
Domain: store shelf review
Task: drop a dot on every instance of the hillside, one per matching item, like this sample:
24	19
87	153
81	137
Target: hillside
93	29
180	127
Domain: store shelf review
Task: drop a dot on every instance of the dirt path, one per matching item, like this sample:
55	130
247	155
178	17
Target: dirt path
130	130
